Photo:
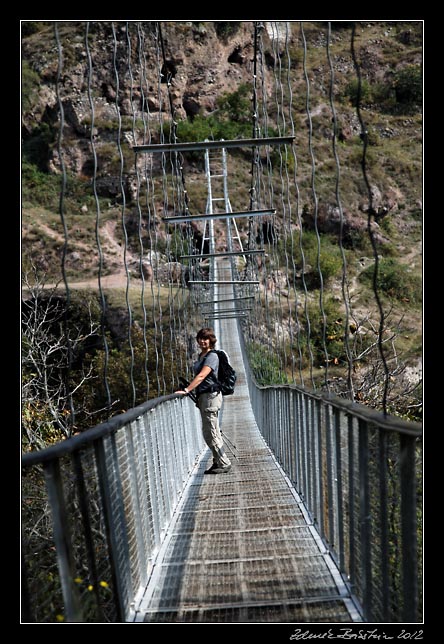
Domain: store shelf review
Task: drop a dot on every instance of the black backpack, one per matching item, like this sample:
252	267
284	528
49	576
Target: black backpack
226	374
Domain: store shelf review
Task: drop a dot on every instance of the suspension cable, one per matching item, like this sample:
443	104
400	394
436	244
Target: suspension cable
277	309
151	224
144	108
265	195
281	124
287	162
98	213
255	134
255	186
182	205
286	203
65	229
307	107
298	222
160	360
370	215
125	231
344	281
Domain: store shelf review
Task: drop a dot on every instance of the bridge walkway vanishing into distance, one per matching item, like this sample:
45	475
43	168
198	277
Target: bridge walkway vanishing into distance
241	546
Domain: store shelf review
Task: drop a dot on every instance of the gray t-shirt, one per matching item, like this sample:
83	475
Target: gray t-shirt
210	360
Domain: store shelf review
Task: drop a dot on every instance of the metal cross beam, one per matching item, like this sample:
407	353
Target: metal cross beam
221	215
227	282
224	254
218	311
215	316
211	145
230	299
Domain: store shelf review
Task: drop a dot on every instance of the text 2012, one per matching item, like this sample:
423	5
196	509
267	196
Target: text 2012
349	634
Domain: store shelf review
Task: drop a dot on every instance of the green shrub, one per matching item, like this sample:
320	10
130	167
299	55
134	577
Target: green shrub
210	127
232	120
30	27
37	147
266	366
236	106
403	95
225	30
334	332
30	85
352	89
179	245
394	280
42	188
408	86
39	187
383	97
330	261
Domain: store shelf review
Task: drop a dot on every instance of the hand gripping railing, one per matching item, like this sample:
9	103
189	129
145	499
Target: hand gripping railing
359	474
96	507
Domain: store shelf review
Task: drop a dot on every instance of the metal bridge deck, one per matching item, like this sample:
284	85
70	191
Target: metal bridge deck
240	548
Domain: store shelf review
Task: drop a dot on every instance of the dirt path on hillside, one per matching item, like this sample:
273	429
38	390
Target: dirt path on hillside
111	248
115	280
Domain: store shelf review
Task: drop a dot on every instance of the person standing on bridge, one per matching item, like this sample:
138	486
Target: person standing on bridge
209	399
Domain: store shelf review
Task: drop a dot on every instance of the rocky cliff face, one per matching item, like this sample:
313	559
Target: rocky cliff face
198	63
110	87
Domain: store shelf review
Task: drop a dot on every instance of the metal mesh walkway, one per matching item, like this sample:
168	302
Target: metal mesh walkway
240	548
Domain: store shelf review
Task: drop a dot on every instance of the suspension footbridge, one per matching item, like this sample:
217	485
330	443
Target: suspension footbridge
320	518
242	548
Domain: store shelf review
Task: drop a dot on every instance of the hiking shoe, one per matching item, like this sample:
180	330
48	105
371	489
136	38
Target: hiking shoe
210	469
219	469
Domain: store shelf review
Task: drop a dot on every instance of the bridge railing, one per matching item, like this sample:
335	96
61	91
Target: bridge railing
359	474
95	511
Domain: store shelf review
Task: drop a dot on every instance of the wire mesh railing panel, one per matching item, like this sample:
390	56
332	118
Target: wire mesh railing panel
148	519
113	482
85	587
91	519
43	600
100	578
359	474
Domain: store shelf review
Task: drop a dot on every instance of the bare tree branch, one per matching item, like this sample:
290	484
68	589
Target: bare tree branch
45	360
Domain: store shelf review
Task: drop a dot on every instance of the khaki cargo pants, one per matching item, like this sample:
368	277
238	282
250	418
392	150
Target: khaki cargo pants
209	405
